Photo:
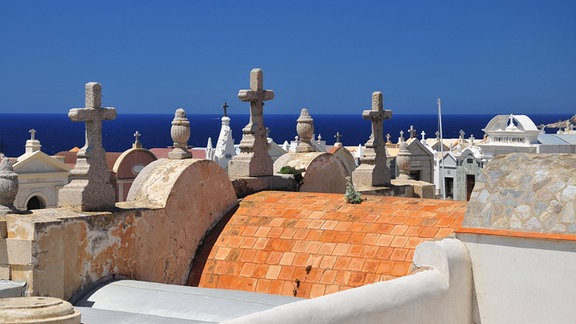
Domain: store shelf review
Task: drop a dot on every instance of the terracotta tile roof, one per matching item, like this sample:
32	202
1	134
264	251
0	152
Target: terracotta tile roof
313	244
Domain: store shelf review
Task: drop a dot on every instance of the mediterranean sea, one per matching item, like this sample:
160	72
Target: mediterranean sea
57	133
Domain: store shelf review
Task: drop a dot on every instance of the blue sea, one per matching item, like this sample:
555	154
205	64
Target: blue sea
57	133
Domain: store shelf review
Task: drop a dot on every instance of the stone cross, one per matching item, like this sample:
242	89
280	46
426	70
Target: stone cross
90	189
225	107
32	145
437	135
377	115
388	136
462	134
253	159
401	138
412	131
373	171
423	134
137	143
338	137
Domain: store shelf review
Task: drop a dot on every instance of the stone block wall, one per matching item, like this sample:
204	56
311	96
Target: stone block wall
525	192
153	237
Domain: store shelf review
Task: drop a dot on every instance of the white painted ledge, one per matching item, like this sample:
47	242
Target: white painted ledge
439	292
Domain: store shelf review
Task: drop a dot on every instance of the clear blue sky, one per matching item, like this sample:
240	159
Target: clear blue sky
328	56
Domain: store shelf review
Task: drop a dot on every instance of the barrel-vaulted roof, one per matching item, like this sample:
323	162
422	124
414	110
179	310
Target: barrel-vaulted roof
312	244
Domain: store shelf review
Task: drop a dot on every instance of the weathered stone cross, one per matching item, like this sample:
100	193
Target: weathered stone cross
93	115
137	137
338	137
373	170
32	133
253	159
225	107
137	143
89	188
376	115
412	131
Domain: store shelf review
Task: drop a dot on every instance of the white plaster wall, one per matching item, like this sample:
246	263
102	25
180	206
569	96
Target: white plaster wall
440	292
522	280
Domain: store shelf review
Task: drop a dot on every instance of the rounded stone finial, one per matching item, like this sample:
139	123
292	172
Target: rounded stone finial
305	130
403	160
8	185
38	310
180	133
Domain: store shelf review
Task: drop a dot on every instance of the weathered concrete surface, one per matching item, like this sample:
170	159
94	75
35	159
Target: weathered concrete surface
153	237
323	172
526	192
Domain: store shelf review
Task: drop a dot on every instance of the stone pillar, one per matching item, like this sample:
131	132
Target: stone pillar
305	129
90	188
8	186
373	170
180	133
253	160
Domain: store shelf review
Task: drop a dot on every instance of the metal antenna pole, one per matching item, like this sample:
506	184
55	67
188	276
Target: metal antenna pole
441	166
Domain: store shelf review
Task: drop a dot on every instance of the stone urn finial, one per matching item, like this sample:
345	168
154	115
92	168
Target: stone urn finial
180	132
403	160
305	130
8	186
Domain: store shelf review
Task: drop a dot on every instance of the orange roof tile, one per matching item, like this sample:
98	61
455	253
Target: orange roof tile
312	244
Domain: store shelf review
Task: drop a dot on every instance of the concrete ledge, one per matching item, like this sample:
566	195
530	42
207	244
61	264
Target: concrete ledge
442	282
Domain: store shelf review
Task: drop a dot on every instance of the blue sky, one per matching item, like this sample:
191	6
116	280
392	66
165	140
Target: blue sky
328	56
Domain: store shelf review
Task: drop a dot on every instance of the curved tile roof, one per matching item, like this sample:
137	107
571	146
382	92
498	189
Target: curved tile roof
312	244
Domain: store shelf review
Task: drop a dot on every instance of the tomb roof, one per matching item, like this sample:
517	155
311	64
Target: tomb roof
313	244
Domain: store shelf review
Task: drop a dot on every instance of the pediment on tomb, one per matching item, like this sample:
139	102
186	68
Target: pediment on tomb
39	162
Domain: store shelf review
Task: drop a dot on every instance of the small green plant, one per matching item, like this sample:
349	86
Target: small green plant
352	196
297	173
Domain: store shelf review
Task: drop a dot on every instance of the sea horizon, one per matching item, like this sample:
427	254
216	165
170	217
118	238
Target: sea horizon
57	133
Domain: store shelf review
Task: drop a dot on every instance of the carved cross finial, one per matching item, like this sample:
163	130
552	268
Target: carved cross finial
412	131
254	160
32	134
401	138
388	136
338	137
225	107
137	143
462	134
437	135
376	115
423	134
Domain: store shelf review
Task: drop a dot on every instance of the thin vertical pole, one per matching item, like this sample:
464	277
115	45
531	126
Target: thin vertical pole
441	166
